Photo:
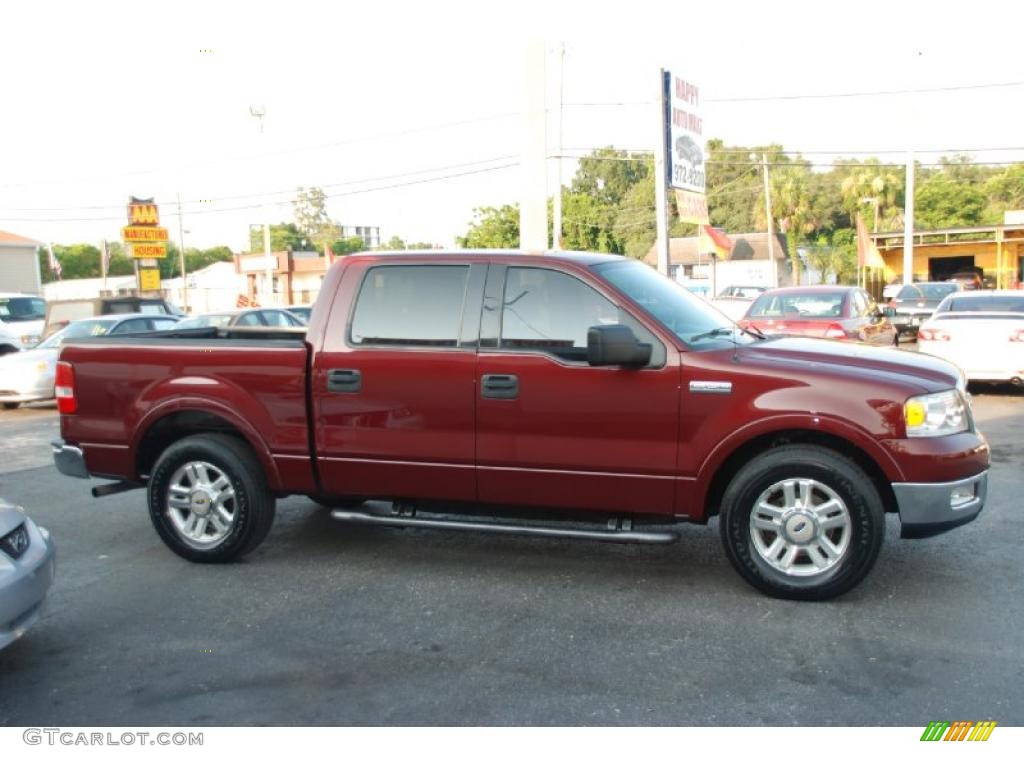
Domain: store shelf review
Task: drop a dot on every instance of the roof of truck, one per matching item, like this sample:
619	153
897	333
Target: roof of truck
579	257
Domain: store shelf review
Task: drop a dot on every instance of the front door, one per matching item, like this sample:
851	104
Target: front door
554	431
393	387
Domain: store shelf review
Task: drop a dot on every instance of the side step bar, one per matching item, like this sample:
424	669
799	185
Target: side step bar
620	531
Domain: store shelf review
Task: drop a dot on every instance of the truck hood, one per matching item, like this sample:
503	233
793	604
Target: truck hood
914	369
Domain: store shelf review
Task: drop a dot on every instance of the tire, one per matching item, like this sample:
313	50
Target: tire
330	502
802	495
10	406
217	467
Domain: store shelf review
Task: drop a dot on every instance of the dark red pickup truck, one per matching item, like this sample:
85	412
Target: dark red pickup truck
559	394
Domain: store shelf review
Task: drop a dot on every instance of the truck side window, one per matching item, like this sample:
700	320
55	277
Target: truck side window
549	311
415	305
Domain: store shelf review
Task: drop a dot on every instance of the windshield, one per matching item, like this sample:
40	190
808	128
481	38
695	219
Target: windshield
818	304
16	309
692	320
939	291
205	321
969	303
78	330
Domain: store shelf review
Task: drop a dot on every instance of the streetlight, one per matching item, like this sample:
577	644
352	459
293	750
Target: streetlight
258	111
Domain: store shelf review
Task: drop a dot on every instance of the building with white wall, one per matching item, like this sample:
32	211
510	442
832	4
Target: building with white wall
19	264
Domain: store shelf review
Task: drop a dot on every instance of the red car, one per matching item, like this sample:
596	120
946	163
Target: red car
557	394
824	311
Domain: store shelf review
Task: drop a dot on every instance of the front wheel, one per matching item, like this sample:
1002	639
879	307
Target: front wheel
10	406
209	500
802	522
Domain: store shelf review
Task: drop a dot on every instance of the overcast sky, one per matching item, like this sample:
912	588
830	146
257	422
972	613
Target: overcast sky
105	100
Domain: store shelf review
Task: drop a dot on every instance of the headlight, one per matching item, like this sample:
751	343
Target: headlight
936	415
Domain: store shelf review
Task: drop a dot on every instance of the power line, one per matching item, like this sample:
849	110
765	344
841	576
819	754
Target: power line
252	195
271	153
200	212
799	96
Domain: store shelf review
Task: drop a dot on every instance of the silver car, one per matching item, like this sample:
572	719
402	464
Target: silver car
27	564
28	376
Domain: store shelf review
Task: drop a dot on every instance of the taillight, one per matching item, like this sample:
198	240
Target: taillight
933	334
835	332
64	388
1017	335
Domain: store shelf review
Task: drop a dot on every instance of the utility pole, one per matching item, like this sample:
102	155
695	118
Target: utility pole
661	178
181	257
768	218
533	205
556	231
258	111
908	209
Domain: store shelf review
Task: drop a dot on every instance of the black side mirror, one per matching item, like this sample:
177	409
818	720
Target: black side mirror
616	345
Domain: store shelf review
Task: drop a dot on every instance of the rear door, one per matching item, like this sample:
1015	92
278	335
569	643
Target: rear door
393	385
553	431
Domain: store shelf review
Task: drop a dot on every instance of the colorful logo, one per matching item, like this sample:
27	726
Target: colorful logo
959	730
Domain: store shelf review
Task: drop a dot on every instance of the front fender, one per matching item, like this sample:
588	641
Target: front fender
804	422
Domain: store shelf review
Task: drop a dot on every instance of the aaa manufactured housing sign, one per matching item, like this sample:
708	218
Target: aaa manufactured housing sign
149	250
144	234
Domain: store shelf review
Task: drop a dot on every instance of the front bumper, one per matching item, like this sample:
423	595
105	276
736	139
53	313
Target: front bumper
24	584
928	509
69	459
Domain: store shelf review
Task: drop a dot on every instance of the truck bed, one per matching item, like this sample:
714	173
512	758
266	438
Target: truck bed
139	391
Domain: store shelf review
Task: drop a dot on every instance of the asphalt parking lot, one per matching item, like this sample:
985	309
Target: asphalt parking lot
332	624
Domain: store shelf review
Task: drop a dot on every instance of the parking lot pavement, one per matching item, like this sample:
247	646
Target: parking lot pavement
333	624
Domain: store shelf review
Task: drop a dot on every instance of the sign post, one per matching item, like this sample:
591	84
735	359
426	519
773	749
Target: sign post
147	240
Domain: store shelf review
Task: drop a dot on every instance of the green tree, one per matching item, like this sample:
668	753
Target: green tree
285	236
311	218
867	185
346	245
608	174
1005	192
492	228
941	202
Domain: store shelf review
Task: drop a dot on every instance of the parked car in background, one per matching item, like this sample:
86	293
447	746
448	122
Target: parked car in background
967	281
735	300
301	312
980	331
21	321
28	376
916	302
825	311
60	313
27	565
241	318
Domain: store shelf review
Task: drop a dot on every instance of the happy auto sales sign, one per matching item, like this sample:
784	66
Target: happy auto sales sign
686	136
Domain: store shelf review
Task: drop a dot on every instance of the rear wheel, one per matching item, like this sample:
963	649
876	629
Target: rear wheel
209	500
802	522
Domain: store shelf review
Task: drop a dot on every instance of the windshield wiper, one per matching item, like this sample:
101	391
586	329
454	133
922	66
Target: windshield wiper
754	331
725	330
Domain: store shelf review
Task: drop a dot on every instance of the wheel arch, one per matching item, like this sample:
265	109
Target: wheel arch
736	456
162	428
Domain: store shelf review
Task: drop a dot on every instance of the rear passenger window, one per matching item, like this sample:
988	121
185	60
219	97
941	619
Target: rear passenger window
549	311
133	326
414	305
250	319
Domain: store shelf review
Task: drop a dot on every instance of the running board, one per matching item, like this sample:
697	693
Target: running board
620	531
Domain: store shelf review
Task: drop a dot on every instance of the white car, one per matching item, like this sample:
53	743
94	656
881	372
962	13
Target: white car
735	300
980	331
21	321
